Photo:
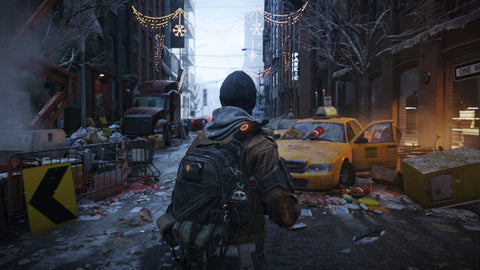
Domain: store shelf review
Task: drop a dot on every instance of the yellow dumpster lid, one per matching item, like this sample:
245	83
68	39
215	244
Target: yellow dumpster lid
444	160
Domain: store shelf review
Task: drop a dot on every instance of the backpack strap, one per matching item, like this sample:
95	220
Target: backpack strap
277	177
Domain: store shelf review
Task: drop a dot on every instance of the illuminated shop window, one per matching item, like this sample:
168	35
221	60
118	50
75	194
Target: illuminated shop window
464	121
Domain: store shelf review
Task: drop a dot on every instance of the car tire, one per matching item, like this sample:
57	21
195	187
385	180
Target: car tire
347	174
183	131
168	136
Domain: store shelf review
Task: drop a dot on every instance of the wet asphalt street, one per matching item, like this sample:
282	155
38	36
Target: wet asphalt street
123	235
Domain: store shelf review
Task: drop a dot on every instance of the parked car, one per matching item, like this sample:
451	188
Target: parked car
327	150
198	123
259	115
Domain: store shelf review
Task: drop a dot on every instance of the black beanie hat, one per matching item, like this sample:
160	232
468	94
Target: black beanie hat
238	90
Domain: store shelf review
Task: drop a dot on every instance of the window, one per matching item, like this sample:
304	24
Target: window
350	132
464	107
110	47
124	56
380	133
408	118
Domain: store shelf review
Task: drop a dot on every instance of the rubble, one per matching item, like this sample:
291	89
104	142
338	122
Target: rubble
386	176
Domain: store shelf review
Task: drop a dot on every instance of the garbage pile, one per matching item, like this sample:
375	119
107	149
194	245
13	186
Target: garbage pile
93	135
360	198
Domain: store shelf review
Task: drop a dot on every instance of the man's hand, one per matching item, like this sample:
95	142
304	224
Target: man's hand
282	207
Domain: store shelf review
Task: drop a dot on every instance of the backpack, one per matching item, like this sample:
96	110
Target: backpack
211	199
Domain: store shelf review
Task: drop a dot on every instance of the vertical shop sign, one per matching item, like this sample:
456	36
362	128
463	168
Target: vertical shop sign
295	61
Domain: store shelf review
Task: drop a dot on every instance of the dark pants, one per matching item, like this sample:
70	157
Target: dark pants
218	262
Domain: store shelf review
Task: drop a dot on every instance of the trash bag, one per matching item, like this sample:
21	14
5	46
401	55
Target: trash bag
80	133
116	137
80	143
114	128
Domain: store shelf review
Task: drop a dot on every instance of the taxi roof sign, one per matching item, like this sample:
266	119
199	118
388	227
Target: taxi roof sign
326	112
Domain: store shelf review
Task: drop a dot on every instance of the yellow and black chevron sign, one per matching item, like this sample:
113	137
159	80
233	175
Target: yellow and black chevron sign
49	196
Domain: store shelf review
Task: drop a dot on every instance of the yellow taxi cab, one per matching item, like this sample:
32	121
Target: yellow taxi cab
327	150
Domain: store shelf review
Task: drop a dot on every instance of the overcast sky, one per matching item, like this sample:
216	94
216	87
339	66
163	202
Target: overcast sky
219	34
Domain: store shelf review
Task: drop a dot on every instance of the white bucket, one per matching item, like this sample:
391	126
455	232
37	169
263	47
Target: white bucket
363	179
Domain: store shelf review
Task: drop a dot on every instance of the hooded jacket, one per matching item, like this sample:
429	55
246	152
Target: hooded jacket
259	155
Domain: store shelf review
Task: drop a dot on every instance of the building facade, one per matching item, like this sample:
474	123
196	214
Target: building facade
126	53
427	82
435	78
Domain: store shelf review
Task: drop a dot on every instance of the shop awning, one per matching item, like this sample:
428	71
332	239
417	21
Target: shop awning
453	24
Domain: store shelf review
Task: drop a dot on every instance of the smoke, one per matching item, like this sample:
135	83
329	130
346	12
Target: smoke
17	83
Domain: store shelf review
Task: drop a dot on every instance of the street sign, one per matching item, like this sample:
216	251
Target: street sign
327	101
49	196
467	70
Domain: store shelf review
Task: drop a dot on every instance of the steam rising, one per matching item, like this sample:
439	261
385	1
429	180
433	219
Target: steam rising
17	83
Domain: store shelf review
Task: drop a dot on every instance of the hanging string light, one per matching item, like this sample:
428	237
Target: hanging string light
257	28
266	71
285	19
285	53
179	29
159	41
161	22
152	22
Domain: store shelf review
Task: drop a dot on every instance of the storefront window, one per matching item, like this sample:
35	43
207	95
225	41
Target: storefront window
465	113
408	118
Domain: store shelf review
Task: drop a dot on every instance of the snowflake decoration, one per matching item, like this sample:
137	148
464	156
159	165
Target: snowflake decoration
179	30
252	55
257	29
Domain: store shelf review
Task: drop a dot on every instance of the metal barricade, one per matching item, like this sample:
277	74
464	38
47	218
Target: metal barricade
140	159
96	172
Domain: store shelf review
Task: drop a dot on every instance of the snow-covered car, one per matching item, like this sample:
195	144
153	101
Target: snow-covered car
327	150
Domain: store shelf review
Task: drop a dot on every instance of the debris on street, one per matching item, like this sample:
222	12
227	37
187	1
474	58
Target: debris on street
369	235
379	200
386	176
298	226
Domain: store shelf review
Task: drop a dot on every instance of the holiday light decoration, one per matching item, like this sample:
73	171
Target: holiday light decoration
277	19
159	40
179	29
285	53
256	27
161	22
266	71
285	19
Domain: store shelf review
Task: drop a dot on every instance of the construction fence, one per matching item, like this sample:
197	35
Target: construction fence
98	171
